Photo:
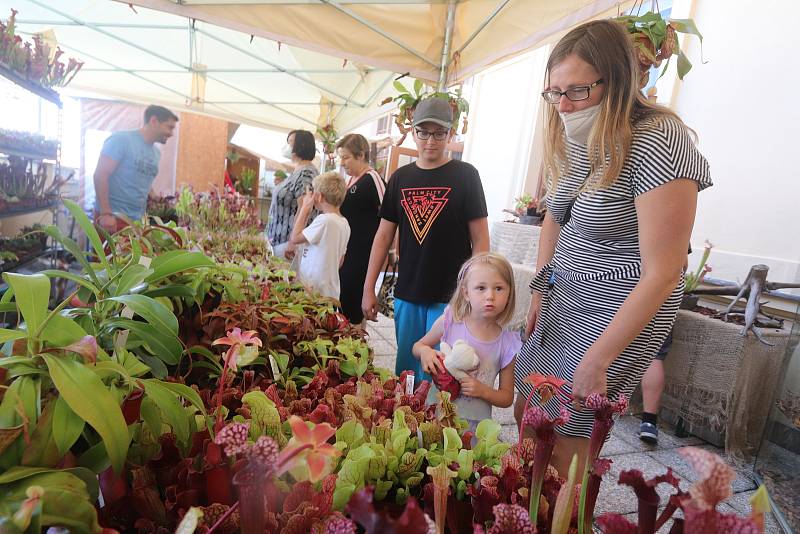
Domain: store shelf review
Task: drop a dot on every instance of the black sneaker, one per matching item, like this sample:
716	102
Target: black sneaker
648	432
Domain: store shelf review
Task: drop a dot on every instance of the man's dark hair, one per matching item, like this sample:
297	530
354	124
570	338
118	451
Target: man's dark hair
161	113
304	145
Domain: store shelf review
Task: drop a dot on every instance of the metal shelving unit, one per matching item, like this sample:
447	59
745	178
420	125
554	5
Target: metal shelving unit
39	157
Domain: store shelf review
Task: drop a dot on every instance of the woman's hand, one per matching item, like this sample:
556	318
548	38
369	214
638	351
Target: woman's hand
369	305
533	313
590	377
432	361
472	387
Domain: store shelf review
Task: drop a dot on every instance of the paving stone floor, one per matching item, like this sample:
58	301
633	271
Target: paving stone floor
624	448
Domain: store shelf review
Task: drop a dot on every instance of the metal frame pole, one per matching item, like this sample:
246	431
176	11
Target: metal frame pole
355	16
448	38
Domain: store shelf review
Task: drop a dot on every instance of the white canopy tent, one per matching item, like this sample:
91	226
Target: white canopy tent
289	64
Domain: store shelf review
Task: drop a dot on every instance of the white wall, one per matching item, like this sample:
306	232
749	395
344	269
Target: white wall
743	104
504	103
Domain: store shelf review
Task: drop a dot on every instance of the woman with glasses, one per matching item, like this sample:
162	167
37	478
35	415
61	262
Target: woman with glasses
623	177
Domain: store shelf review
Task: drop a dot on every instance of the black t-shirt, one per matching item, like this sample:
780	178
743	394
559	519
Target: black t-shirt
433	208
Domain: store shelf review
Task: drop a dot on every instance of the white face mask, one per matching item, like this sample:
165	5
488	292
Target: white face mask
578	124
287	151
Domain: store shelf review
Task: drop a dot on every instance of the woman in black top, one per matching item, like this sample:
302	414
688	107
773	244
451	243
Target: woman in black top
361	208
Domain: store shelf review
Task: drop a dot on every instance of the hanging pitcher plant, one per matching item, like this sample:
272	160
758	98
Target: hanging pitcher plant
655	41
408	99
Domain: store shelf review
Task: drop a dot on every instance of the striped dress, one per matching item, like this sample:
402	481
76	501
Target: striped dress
597	264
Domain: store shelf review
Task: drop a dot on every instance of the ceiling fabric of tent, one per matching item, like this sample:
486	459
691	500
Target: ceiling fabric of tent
287	64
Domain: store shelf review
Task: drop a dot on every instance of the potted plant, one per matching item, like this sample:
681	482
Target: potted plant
526	209
328	136
656	40
407	101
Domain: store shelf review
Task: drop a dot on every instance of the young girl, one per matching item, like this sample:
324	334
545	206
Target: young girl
481	306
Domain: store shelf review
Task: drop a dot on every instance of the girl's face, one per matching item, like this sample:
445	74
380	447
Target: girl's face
486	292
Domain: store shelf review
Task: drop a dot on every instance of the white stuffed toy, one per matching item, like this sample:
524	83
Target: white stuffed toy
460	360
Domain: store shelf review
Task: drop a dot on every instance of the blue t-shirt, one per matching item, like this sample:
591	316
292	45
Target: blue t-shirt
138	165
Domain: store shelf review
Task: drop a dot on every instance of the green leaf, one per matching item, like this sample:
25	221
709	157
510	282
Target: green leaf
171	291
88	397
95	458
67	501
132	276
73	248
151	416
94	238
61	331
170	407
152	311
166	347
156	366
686	26
67	426
42	449
351	433
684	65
176	261
417	87
11	335
187	393
399	87
78	279
32	295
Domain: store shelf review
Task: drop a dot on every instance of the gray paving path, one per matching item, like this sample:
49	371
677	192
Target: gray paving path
624	448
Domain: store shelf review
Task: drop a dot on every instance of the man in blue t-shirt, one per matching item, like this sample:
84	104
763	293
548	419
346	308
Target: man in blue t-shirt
128	165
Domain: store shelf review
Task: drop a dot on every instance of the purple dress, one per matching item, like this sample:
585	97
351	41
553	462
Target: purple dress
494	356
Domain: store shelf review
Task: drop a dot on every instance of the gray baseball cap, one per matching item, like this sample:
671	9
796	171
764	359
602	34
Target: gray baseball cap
436	110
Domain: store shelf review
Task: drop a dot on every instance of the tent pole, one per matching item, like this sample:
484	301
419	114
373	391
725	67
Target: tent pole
480	28
355	16
448	39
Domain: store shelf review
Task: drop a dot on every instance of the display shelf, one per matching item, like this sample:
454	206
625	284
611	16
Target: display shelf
44	92
27	154
28	260
33	209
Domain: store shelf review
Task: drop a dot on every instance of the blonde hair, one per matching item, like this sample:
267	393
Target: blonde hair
606	46
459	305
332	187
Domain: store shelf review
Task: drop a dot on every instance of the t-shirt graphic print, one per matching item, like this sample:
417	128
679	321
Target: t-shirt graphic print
422	205
432	209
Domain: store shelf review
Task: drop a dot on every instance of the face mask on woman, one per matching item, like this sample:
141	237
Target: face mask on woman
578	124
287	151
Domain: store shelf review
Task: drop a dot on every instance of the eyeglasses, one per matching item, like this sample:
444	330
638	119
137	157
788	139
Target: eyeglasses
574	94
439	135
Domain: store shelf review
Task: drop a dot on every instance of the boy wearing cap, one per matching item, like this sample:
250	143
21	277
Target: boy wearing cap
439	208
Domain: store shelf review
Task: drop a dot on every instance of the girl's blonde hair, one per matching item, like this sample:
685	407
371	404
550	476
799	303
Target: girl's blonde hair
606	46
459	305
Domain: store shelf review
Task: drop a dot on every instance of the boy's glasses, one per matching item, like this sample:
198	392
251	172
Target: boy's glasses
439	135
574	94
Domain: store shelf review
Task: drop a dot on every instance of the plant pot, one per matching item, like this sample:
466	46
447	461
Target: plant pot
530	220
689	302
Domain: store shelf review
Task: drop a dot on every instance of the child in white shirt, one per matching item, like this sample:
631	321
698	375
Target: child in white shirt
325	238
